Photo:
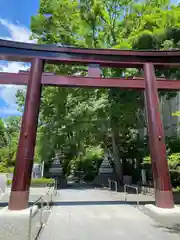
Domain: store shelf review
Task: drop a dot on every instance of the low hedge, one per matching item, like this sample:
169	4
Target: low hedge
176	190
37	181
175	177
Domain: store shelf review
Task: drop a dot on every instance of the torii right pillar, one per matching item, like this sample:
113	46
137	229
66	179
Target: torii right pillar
162	182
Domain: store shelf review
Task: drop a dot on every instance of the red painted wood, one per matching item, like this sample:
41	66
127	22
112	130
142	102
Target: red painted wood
15	51
86	51
111	58
25	153
93	82
162	183
55	80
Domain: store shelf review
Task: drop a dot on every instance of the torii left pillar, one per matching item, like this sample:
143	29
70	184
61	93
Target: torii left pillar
25	152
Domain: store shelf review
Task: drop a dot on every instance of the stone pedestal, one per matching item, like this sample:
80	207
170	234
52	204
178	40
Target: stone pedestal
166	217
15	224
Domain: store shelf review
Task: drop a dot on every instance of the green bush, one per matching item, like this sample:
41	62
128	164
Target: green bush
174	161
174	167
41	181
5	169
37	181
9	182
173	144
175	177
177	189
146	164
147	160
88	163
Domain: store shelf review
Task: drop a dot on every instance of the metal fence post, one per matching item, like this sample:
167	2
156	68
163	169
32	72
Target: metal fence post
55	187
126	193
137	196
109	180
47	200
30	223
41	212
125	197
116	186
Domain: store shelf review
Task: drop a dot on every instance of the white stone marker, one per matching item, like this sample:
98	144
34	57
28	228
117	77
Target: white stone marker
3	183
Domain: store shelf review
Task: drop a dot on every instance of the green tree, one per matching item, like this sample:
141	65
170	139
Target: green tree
3	137
72	119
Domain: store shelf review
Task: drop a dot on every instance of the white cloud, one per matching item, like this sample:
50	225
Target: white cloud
18	33
4	112
13	67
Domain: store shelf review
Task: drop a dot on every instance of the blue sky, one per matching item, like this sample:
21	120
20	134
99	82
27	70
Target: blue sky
18	11
15	17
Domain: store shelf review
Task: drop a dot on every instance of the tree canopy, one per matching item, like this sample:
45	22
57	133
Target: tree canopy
74	119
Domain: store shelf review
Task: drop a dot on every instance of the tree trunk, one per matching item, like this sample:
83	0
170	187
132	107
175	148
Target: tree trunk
118	165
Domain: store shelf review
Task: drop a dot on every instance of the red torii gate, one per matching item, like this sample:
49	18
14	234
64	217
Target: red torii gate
39	55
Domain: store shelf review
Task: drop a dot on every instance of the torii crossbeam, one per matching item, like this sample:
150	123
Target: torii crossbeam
49	79
39	55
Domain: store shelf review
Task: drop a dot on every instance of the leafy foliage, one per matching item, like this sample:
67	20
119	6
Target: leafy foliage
74	120
8	147
174	167
87	163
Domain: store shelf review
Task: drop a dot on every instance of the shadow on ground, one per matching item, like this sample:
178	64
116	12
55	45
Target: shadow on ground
5	204
174	229
93	203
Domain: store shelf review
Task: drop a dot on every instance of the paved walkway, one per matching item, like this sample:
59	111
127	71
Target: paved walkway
16	227
93	214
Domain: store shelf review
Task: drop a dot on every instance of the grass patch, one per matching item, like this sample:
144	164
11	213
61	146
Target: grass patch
37	182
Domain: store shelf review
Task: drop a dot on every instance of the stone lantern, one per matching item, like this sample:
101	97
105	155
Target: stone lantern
56	171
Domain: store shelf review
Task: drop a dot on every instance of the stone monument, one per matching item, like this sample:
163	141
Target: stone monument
105	167
105	172
56	171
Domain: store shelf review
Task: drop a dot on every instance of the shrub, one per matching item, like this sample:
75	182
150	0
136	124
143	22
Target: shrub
177	189
9	182
10	169
175	177
41	181
88	163
3	168
173	144
174	161
174	167
37	181
147	160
